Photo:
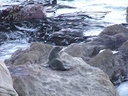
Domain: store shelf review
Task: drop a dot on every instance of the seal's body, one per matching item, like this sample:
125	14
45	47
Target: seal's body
55	61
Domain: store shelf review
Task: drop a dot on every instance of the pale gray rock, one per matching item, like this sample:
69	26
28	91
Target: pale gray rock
81	80
114	29
6	84
83	50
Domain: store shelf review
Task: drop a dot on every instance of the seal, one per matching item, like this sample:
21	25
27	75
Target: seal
55	61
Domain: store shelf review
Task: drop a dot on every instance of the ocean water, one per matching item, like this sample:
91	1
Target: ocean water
116	14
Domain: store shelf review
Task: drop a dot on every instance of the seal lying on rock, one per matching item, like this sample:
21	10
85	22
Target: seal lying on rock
55	61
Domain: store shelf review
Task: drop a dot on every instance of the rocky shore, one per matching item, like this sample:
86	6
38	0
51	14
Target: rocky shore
98	62
94	64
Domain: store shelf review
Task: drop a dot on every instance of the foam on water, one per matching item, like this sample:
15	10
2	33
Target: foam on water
123	89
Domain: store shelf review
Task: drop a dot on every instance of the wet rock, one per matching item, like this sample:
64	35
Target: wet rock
3	37
82	79
67	36
119	76
6	83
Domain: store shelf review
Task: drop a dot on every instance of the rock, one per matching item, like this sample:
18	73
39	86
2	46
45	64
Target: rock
123	50
19	13
3	37
6	84
81	80
115	41
112	42
123	54
106	61
114	29
83	50
33	11
37	53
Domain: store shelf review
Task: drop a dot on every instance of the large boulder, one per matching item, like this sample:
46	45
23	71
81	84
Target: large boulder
6	84
106	61
83	50
81	80
112	42
113	36
123	54
33	11
18	13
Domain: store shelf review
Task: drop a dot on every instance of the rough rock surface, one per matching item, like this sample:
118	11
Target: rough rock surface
81	80
83	50
6	84
37	53
123	54
106	61
33	11
19	13
114	29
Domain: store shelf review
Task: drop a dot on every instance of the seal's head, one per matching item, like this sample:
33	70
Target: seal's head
58	48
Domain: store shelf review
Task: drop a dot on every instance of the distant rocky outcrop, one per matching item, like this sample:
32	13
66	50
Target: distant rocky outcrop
19	13
6	83
37	79
114	29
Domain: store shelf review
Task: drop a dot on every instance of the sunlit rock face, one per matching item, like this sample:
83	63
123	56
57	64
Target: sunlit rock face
32	77
6	84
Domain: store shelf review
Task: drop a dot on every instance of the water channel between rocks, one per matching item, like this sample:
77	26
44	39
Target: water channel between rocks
101	13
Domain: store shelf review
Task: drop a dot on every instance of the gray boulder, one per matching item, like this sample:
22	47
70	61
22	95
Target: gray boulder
81	80
83	50
123	54
33	11
6	84
114	29
106	61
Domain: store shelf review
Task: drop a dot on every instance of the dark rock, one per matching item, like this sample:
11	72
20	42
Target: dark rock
3	37
112	42
123	53
119	76
36	79
32	11
83	50
18	13
114	29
